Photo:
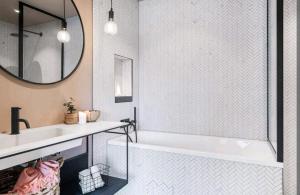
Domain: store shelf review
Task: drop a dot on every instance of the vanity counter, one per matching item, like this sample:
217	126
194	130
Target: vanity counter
35	143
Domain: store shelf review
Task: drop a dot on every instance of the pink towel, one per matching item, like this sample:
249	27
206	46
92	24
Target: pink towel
28	182
49	171
34	180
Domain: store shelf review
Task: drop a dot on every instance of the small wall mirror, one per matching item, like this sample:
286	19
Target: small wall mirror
123	78
41	41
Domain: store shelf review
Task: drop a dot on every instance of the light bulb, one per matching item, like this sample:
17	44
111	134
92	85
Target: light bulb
118	90
111	27
63	36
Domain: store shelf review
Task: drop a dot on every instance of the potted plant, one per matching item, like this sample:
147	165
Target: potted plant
71	117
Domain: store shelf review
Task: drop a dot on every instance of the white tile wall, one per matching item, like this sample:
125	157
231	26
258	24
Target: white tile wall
125	43
163	173
218	78
290	97
203	67
8	46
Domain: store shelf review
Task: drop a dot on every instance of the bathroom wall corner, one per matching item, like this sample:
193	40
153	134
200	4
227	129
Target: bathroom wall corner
290	97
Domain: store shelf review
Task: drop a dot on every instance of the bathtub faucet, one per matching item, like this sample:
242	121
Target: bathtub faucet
132	123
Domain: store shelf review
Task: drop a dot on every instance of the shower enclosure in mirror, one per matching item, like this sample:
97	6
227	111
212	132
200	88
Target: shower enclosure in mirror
31	47
123	78
275	76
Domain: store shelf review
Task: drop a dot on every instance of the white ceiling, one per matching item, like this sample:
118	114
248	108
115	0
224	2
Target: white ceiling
31	17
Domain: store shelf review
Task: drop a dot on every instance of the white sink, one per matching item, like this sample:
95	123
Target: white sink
34	139
31	135
36	143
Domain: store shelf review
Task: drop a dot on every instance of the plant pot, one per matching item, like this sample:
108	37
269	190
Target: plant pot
71	118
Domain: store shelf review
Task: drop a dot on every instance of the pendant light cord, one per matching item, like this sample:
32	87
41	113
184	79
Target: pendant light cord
65	9
111	12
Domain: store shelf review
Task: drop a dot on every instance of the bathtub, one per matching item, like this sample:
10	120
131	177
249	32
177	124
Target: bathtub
169	163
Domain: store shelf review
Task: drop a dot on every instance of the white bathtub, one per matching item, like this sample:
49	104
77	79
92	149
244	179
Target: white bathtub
241	150
168	164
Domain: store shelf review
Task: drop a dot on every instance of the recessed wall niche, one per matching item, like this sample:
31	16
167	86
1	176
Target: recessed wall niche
123	68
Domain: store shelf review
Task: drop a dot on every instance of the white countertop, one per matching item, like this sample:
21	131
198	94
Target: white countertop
34	138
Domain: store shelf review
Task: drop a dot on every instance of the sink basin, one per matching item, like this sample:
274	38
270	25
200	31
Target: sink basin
31	135
35	138
32	144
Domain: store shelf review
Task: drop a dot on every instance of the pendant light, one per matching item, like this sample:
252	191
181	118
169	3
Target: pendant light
111	27
63	35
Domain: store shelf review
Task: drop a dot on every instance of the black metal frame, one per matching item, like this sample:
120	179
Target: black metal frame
124	99
126	132
21	41
279	150
280	80
21	28
21	46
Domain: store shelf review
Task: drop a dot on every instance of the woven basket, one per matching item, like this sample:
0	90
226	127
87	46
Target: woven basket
54	190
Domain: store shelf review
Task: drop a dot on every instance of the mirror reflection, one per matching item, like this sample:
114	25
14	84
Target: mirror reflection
123	79
41	40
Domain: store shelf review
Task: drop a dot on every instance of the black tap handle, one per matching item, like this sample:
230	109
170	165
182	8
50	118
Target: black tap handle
15	120
127	120
15	109
134	114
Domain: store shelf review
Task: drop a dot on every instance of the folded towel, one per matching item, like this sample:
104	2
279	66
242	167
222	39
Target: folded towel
84	173
85	176
95	171
87	187
97	176
98	182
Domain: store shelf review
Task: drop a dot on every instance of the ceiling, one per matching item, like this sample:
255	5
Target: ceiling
32	17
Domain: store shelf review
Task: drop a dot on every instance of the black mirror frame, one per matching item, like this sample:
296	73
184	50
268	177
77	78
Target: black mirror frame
71	73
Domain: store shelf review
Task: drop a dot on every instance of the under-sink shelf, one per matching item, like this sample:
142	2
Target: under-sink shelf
113	186
69	175
72	166
70	182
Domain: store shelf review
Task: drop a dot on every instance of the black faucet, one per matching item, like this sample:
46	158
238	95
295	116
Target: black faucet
132	123
15	120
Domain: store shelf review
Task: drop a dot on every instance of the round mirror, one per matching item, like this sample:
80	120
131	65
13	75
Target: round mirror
41	41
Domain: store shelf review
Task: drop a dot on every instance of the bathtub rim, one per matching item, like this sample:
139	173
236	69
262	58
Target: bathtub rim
117	141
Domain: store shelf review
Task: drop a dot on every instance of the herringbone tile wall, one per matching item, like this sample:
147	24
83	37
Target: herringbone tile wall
9	45
125	43
290	97
203	67
163	173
